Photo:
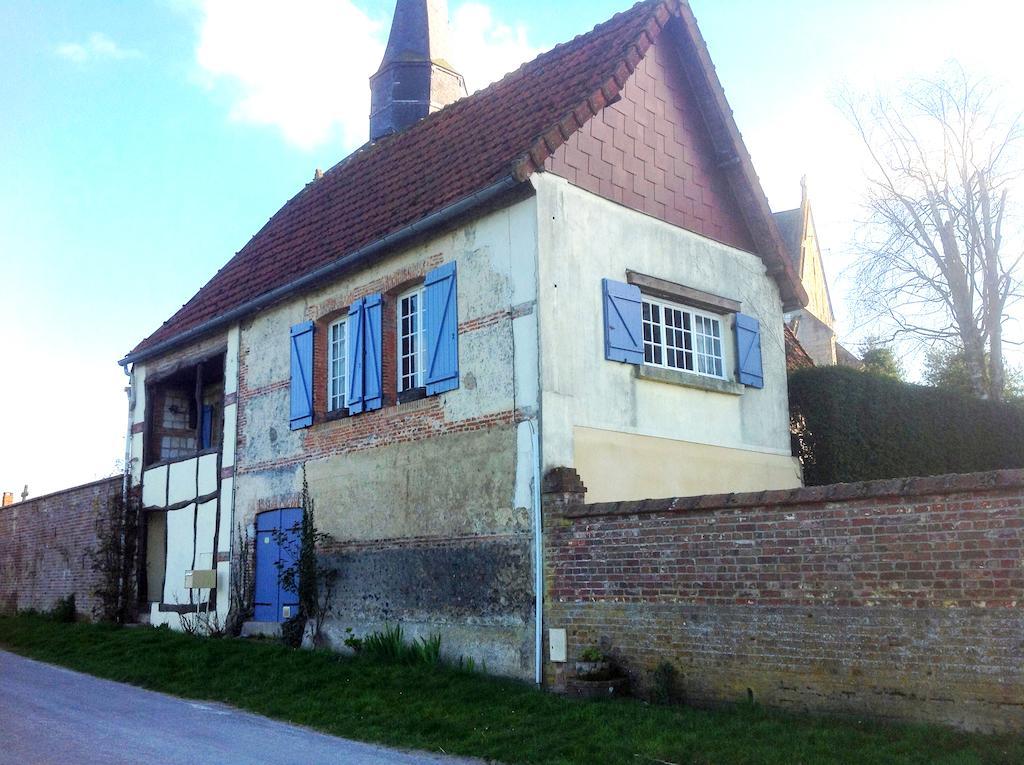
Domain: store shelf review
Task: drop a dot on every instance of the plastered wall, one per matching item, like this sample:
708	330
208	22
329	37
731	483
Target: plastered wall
584	238
428	501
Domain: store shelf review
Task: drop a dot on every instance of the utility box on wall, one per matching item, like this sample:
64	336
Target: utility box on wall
201	579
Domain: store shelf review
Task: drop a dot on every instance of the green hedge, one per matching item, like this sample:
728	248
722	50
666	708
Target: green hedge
856	426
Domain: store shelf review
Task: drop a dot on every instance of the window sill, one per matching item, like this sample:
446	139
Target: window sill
334	414
687	380
413	394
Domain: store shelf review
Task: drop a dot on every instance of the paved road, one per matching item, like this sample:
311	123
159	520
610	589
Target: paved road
53	715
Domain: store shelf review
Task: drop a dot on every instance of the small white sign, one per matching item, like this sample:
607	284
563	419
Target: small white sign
556	645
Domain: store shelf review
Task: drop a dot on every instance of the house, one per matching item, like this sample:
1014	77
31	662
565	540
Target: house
575	266
814	324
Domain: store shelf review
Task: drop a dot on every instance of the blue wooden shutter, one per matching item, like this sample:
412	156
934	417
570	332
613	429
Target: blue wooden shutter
302	376
623	323
206	427
442	325
354	360
748	351
372	381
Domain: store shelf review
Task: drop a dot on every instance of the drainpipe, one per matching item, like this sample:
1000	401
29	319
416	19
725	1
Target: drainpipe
128	435
538	560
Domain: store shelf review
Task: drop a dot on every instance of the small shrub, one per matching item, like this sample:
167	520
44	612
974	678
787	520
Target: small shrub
386	645
664	683
292	630
352	641
389	645
64	610
427	650
592	653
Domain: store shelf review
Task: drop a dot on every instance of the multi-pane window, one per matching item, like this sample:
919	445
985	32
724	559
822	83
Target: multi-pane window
336	360
410	340
678	337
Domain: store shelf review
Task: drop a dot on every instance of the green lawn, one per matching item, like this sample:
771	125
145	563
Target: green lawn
458	712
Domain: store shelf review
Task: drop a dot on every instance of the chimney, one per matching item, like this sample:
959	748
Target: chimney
8	498
415	77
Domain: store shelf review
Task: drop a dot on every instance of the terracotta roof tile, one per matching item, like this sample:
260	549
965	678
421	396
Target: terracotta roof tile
385	186
505	131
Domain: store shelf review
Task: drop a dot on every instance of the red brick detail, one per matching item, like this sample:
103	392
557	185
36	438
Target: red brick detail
138	427
853	598
227	472
651	152
45	544
908	542
230	398
402	423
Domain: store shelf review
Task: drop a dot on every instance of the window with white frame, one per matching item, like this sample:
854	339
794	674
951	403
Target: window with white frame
410	333
336	360
680	337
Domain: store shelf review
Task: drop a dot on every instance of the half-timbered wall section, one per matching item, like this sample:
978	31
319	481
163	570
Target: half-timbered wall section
182	454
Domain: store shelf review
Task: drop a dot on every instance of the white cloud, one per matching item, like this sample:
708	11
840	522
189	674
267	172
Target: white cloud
301	67
304	67
485	49
97	47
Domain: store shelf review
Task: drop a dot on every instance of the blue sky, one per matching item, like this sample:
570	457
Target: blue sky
143	143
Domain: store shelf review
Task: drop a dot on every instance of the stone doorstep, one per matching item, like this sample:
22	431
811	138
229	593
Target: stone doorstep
261	629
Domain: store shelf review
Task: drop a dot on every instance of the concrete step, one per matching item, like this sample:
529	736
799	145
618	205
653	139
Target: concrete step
261	629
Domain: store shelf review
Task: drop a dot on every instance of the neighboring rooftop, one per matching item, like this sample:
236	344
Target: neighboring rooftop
791	229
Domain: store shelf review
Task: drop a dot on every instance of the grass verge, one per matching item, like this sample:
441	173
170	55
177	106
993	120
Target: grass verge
442	709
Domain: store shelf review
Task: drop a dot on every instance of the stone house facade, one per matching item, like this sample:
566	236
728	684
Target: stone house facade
575	266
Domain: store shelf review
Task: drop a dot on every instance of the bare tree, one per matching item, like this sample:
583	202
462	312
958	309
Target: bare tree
937	265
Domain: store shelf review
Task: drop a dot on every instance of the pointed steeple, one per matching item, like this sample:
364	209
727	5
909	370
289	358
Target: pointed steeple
415	78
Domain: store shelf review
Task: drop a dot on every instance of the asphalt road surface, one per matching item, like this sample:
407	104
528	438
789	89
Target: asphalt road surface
53	715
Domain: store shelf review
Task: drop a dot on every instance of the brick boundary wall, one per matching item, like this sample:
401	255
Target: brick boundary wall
900	599
45	545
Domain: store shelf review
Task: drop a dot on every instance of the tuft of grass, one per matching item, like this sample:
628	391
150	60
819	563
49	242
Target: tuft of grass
438	708
389	645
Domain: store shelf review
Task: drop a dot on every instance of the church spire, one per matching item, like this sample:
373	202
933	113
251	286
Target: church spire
415	78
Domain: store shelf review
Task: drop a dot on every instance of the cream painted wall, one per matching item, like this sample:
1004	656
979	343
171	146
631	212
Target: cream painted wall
620	466
583	238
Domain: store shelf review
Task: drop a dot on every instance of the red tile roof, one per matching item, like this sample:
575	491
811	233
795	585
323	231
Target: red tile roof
507	129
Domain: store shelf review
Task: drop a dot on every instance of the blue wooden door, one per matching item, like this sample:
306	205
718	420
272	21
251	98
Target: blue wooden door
277	547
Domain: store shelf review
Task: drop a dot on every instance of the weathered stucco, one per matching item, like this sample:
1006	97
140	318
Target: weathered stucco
428	501
584	238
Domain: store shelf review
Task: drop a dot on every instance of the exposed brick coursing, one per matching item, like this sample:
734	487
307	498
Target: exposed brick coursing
45	544
901	599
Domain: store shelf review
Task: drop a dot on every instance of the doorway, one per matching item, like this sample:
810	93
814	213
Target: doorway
277	549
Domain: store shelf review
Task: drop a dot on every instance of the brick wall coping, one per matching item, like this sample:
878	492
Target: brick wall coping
52	494
954	483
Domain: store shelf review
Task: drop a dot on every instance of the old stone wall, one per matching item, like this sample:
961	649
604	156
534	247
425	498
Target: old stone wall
45	544
900	599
